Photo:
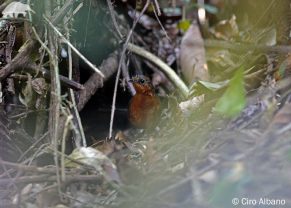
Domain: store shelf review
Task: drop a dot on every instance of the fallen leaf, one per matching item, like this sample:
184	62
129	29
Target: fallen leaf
94	158
192	57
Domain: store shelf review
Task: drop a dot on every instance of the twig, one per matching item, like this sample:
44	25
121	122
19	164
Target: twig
120	64
23	60
55	98
157	7
63	11
72	95
64	80
169	72
73	47
27	168
111	11
36	34
33	146
157	13
126	78
46	178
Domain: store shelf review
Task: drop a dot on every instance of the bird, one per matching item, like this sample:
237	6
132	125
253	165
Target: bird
144	106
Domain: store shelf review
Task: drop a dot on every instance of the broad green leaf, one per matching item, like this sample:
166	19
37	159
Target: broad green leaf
233	100
201	87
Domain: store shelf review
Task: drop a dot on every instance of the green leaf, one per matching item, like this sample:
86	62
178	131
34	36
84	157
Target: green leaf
213	86
184	25
233	100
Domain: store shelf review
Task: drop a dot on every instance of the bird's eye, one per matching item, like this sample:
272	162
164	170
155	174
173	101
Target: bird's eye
142	81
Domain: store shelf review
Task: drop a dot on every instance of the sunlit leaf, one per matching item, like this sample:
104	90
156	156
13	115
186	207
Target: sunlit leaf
94	158
269	37
226	29
88	156
213	85
184	25
201	87
233	100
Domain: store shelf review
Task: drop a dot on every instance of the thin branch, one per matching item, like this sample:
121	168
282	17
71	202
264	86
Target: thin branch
46	178
120	65
55	98
126	78
65	81
111	11
27	168
63	11
169	72
37	142
73	47
72	95
156	5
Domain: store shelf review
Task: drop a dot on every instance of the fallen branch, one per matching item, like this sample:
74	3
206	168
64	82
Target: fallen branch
108	67
65	81
20	61
46	74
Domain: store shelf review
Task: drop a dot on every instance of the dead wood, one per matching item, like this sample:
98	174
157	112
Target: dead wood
64	80
20	61
108	67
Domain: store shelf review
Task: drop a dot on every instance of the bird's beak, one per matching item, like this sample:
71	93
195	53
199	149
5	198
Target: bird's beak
130	80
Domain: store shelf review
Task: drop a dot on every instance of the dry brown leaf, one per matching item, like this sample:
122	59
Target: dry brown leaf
192	57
